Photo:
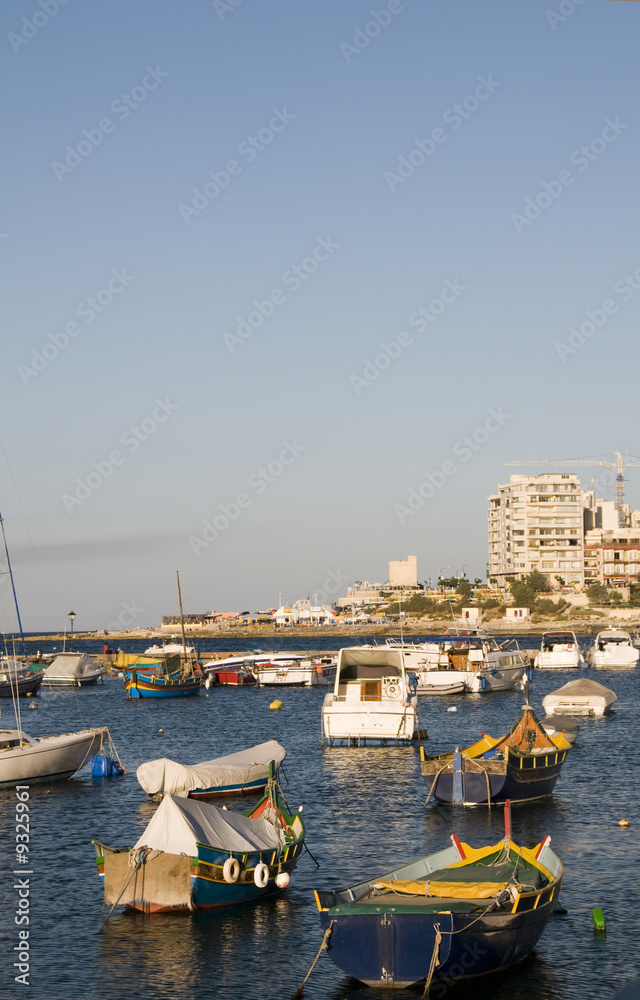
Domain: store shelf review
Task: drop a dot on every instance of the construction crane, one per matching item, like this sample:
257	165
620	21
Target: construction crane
574	462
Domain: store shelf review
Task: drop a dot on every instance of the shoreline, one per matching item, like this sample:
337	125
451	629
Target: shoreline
435	628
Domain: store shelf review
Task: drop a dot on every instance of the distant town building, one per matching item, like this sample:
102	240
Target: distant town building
612	556
516	614
403	572
536	523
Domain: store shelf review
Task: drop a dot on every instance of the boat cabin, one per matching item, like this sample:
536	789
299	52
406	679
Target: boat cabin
370	675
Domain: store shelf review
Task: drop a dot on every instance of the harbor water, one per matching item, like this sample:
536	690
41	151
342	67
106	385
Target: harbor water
364	810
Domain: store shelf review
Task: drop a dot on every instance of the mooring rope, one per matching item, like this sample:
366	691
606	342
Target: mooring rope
299	993
139	859
434	961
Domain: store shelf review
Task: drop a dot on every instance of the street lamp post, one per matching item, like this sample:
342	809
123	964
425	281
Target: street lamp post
71	616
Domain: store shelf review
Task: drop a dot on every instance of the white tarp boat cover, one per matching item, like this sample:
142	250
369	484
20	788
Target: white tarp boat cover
166	777
584	688
69	665
179	825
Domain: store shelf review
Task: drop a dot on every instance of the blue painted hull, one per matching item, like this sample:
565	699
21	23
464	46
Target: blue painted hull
139	684
395	949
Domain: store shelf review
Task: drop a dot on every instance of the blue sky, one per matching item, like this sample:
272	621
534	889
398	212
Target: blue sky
142	227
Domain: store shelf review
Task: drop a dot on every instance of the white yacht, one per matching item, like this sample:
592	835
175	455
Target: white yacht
559	651
371	700
613	648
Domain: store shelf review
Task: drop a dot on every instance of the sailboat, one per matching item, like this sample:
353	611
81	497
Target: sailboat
29	760
170	677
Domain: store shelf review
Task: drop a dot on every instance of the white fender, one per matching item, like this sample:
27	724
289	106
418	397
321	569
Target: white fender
231	870
261	875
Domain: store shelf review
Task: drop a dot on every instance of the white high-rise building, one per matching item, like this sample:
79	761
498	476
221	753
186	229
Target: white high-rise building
536	523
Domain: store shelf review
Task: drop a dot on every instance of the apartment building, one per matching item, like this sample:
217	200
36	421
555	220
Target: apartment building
536	523
612	556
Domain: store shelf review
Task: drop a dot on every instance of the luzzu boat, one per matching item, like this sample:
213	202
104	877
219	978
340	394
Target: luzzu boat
457	914
194	855
523	765
162	679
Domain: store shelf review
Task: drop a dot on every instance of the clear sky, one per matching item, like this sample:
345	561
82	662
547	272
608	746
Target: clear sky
219	224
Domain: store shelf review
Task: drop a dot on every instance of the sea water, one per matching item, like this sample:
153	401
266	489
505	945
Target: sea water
364	811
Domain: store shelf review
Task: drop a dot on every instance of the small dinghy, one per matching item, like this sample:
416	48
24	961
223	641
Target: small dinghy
421	923
236	774
580	697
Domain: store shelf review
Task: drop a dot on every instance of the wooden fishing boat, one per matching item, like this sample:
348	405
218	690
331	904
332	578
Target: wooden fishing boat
242	773
151	682
194	855
523	765
457	914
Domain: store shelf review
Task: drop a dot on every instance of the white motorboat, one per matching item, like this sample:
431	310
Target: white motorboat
270	669
470	663
72	670
613	648
559	651
371	700
47	758
169	649
580	697
238	773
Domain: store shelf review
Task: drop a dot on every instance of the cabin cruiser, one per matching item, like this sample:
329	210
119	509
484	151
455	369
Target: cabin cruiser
560	651
613	648
372	699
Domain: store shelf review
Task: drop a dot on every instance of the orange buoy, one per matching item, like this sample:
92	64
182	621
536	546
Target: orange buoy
624	822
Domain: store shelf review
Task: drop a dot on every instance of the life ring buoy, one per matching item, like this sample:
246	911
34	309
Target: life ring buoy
261	875
231	870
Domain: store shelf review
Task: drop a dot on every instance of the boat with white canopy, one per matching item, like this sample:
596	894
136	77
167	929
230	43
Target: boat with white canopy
238	773
580	697
559	651
72	670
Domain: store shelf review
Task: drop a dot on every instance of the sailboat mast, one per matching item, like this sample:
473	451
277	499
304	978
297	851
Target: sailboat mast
184	638
15	598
